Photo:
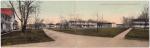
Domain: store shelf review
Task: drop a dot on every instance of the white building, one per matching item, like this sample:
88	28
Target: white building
140	23
81	24
89	24
8	22
50	25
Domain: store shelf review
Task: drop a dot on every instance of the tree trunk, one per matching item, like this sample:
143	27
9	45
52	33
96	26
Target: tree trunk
23	28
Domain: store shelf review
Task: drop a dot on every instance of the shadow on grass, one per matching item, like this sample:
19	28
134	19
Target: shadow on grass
30	36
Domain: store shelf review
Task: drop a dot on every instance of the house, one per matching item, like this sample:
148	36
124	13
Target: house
140	23
8	22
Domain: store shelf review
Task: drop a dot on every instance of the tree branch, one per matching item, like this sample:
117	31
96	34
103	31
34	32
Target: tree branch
14	10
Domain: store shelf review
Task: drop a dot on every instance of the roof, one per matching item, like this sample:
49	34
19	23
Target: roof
57	23
92	22
105	23
7	11
50	24
77	21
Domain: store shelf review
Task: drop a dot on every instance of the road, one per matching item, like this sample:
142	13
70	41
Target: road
65	40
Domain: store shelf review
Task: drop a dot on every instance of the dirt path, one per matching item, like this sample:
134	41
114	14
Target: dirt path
64	40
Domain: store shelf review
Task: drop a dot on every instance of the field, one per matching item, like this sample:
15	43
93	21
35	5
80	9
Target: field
103	32
139	34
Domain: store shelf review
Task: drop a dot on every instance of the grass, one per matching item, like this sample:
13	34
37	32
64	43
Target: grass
105	32
138	34
31	36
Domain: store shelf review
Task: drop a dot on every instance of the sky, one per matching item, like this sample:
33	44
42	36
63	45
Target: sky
112	11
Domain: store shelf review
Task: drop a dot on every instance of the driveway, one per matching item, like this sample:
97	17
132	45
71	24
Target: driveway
65	40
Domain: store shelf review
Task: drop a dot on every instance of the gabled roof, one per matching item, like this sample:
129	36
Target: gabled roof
7	11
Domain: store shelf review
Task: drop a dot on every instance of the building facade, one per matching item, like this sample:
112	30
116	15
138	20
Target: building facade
82	24
140	23
85	24
8	22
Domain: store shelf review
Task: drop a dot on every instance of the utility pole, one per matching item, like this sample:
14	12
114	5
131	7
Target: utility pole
101	22
61	19
97	21
74	11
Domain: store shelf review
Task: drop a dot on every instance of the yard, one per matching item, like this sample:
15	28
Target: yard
31	36
139	34
104	32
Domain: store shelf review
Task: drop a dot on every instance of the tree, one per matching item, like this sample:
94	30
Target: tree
97	15
36	18
39	23
127	21
25	9
144	16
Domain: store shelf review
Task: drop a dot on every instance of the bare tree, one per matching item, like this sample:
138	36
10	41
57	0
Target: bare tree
127	21
144	16
39	23
25	8
36	17
97	15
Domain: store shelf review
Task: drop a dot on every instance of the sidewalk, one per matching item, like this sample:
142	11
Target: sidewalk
122	35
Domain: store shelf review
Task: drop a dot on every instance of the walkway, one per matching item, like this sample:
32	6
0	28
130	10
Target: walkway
122	35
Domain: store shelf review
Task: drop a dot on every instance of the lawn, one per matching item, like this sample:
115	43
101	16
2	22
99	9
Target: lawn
105	32
31	36
138	34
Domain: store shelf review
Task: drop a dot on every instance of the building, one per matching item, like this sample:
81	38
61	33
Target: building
105	25
8	22
140	23
50	25
15	25
120	26
86	24
82	24
36	26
